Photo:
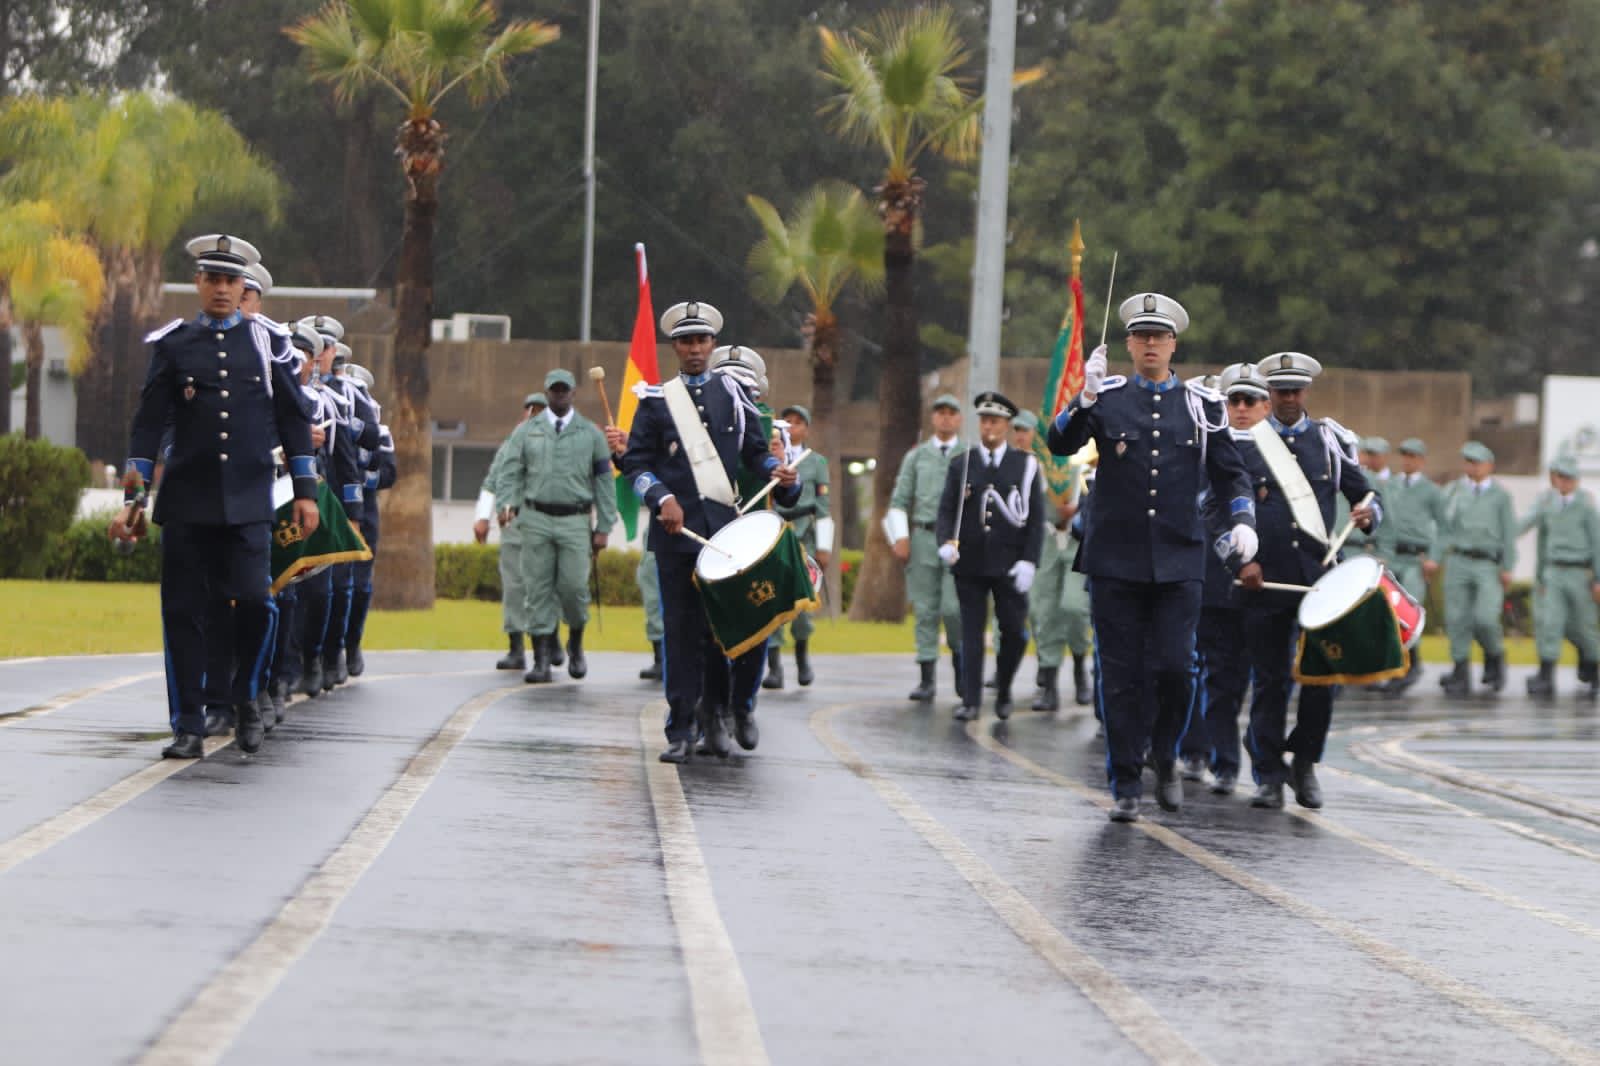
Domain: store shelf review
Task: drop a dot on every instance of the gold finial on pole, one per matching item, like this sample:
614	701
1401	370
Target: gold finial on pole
1076	248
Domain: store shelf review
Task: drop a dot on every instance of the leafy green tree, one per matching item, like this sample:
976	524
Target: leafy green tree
418	52
128	172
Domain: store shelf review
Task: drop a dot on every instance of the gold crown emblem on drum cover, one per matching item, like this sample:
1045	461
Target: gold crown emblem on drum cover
1333	651
287	533
761	592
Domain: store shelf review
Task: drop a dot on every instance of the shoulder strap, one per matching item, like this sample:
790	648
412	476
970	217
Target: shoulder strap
710	479
1287	473
156	334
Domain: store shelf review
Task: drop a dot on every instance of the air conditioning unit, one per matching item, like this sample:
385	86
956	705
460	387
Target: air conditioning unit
468	327
56	368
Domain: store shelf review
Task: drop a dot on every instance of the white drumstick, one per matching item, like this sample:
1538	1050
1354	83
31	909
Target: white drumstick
1278	586
758	497
692	535
1338	542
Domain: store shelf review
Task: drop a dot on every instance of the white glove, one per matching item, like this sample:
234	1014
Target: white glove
1094	372
1244	542
948	553
1022	575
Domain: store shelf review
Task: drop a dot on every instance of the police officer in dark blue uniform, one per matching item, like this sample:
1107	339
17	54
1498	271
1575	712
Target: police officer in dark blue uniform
230	402
1320	455
993	547
378	464
1160	443
696	495
359	430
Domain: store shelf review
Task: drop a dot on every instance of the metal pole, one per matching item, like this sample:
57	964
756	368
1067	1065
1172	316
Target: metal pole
989	260
587	310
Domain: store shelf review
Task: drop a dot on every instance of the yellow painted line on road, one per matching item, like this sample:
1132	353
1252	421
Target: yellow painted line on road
1459	992
204	1029
725	1023
67	699
1137	1020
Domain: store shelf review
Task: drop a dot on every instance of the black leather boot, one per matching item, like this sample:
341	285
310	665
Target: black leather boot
774	678
311	676
185	746
556	656
264	706
357	663
1494	672
219	721
924	691
713	732
1169	785
653	671
577	665
1047	698
1456	683
1082	690
1545	683
250	730
802	663
1589	677
280	700
539	673
515	658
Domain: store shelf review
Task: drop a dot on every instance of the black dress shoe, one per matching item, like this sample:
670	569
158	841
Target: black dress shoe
1224	782
356	662
966	713
1002	706
1169	786
1125	809
264	708
280	702
677	751
185	746
713	733
1303	779
311	678
1268	796
335	672
251	730
746	732
219	721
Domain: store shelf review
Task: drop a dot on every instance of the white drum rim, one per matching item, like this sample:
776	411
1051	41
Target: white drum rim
1318	610
713	565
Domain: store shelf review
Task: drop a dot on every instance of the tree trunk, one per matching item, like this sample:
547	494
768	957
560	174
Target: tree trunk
33	346
5	354
108	389
881	591
825	426
406	561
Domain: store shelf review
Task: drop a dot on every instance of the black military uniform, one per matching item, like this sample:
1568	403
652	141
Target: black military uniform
657	463
1160	443
995	551
229	402
380	475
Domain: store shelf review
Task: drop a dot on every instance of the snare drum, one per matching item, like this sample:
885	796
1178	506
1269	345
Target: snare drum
753	578
1356	626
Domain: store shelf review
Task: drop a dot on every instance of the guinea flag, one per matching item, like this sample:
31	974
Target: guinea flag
641	370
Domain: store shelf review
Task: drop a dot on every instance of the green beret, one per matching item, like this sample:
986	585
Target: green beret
560	377
949	400
1025	420
1565	465
1413	446
1375	445
797	409
535	398
1476	452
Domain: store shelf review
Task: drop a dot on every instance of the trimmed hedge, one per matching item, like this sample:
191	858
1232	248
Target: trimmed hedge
84	553
40	484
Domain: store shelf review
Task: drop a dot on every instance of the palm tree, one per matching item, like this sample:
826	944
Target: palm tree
54	280
899	91
418	51
128	172
832	238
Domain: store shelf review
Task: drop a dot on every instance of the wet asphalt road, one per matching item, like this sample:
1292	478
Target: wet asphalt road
438	864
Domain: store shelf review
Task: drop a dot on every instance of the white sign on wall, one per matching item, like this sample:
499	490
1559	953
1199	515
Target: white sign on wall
1571	422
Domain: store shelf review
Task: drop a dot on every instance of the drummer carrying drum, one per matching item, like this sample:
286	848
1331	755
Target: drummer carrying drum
1298	466
689	438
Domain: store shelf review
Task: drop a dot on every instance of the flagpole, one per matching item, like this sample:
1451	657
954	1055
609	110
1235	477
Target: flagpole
586	313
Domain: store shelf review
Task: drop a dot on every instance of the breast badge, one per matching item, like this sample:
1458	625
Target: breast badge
1122	448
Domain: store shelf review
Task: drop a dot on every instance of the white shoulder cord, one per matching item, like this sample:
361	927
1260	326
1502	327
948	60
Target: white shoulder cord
1196	400
1015	506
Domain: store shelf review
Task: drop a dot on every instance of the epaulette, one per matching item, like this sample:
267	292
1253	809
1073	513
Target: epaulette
156	334
1204	391
273	326
1339	431
1115	381
641	390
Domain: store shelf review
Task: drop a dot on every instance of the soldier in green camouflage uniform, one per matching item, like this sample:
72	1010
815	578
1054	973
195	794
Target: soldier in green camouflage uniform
909	525
1375	461
513	593
558	479
1564	599
1479	535
650	594
813	524
1413	514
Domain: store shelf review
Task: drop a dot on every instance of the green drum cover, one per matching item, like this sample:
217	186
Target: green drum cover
337	540
1360	648
747	608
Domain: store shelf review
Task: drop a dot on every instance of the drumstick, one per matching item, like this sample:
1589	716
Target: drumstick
758	497
1338	542
1111	288
597	374
1278	586
692	535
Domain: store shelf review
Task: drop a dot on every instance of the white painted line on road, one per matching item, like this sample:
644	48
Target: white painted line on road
725	1023
205	1029
1137	1020
1464	995
66	699
19	662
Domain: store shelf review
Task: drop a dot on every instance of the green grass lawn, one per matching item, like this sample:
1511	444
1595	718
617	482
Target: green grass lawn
83	618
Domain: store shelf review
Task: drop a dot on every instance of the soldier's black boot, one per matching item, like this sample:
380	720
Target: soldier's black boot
1589	677
251	730
1456	683
185	746
357	663
802	663
745	730
219	721
1494	672
1412	675
653	671
264	706
924	691
341	667
713	733
556	656
311	676
577	665
280	700
514	658
1047	698
330	671
1082	691
1544	684
540	673
774	678
1169	785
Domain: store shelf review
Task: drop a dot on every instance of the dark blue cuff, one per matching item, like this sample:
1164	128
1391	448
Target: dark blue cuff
770	465
644	483
1241	505
146	468
372	481
351	493
302	466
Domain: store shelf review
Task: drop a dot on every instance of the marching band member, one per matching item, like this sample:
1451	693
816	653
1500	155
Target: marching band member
379	467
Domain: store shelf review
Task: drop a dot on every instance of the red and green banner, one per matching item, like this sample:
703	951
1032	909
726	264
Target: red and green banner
1064	382
642	369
